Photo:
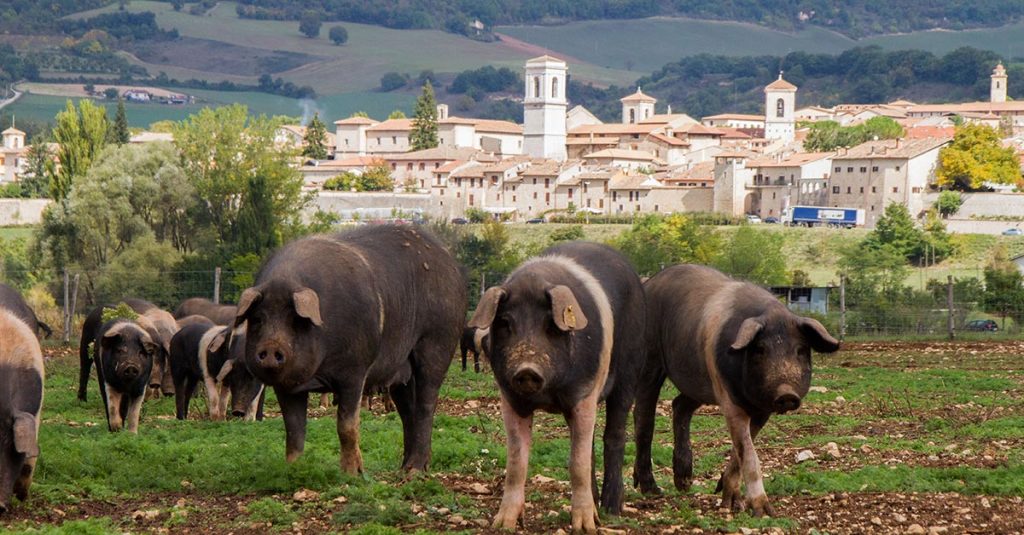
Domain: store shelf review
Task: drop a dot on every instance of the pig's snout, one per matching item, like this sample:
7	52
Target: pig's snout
238	414
130	372
527	380
786	399
270	358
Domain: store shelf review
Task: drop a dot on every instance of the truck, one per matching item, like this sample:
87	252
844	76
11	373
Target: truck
813	216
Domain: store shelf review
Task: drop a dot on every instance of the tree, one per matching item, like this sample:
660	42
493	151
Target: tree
827	136
1004	293
392	81
119	134
256	230
975	157
397	114
110	93
221	150
655	242
896	230
309	24
338	35
377	177
36	180
570	233
424	123
314	143
755	256
80	134
949	203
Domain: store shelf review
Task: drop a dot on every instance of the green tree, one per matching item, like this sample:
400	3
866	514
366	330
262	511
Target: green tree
221	149
949	203
1004	292
975	157
392	81
424	123
824	136
80	135
314	143
310	23
257	230
895	229
655	242
396	114
881	128
570	233
376	177
110	93
38	169
360	113
755	256
119	134
338	35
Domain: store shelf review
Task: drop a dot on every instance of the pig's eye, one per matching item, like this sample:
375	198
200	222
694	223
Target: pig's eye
503	323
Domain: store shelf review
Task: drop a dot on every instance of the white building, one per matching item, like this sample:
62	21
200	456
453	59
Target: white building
779	110
637	107
997	93
544	108
13	154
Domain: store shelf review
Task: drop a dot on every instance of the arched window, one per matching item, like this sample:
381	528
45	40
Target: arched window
554	87
780	108
632	116
536	86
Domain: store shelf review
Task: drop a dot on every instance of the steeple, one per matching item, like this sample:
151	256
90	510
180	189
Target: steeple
997	93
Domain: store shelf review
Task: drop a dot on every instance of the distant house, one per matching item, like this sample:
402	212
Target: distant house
803	299
137	95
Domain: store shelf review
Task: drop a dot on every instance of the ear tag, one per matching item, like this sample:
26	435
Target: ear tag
569	317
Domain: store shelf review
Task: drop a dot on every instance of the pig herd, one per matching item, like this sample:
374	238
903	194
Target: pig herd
384	308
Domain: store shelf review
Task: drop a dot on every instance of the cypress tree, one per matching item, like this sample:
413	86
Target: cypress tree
424	123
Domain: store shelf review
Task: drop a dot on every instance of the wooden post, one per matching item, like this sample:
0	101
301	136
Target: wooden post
216	285
949	305
67	308
842	307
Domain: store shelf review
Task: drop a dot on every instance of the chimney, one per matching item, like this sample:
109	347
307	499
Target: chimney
442	112
897	143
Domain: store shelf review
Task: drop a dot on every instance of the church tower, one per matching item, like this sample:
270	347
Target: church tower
544	108
780	110
998	91
637	107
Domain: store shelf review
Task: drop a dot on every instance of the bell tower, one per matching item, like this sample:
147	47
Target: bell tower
544	107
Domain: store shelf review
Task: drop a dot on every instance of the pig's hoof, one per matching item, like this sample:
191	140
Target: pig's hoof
647	486
682	483
507	518
732	500
584	520
759	506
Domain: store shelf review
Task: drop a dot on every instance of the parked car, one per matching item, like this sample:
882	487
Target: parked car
535	221
982	326
1013	232
753	219
772	220
459	221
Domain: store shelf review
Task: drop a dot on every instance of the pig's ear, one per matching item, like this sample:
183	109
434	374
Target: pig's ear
249	297
817	336
748	330
307	305
487	308
566	310
25	439
218	340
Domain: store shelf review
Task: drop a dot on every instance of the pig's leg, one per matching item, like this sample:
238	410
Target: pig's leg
518	431
185	398
348	429
581	465
134	410
732	469
167	381
113	399
432	359
25	479
648	391
617	410
741	430
293	408
404	397
212	397
464	350
325	401
682	451
85	366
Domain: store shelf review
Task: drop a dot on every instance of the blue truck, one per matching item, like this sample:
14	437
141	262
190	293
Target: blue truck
814	216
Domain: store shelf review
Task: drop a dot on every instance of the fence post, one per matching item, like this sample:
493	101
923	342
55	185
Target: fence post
67	308
842	307
216	285
949	305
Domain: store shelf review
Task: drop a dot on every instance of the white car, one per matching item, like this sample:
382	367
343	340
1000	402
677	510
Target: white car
753	219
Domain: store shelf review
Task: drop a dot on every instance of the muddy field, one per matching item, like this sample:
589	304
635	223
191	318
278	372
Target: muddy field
893	438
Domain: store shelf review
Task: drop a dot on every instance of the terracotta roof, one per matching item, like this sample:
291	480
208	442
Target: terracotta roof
544	59
793	160
549	168
902	103
470	171
979	107
732	133
450	166
926	131
595	140
665	118
703	171
498	127
780	85
621	154
443	152
612	129
391	125
892	149
12	130
504	165
623	181
356	120
700	130
639	96
737	116
670	140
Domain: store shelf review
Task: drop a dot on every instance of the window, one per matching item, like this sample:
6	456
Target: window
895	189
346	142
513	198
600	203
585	187
497	197
874	189
536	86
394	166
874	168
897	168
408	166
471	199
442	192
849	169
872	208
547	198
862	189
615	197
638	208
535	195
773	195
780	108
916	190
570	193
554	87
535	182
863	169
632	116
547	182
835	189
423	166
849	189
839	169
437	164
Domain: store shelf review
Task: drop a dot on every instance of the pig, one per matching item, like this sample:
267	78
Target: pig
381	305
124	354
193	319
212	354
728	343
566	332
200	306
160	326
12	300
21	400
472	342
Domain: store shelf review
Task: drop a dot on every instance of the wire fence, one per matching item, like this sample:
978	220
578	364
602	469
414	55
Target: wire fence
62	301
